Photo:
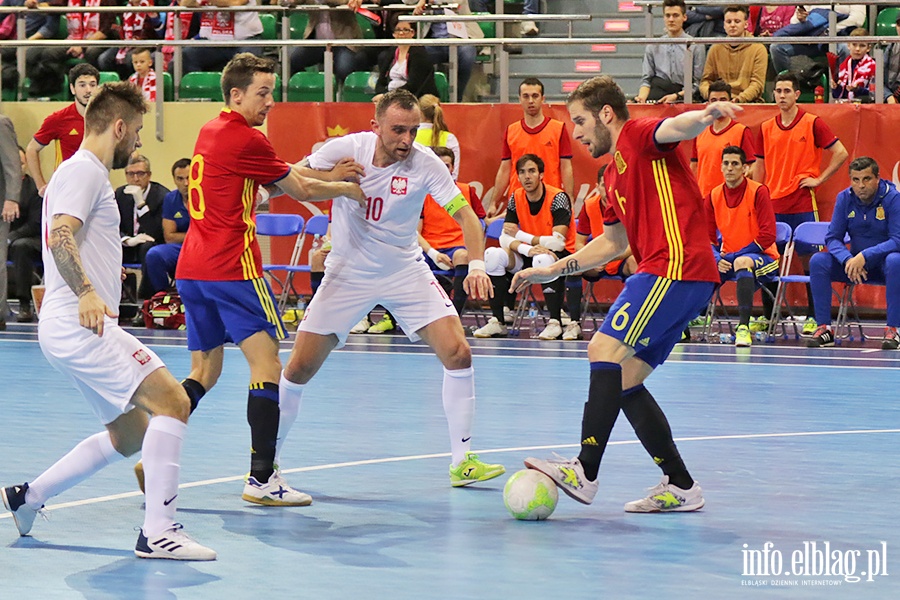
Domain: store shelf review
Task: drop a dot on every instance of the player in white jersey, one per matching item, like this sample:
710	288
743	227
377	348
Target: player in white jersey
80	336
376	259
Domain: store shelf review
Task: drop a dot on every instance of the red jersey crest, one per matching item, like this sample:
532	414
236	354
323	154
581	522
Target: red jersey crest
399	186
141	356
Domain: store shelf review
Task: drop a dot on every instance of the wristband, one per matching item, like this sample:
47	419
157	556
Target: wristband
477	265
433	254
524	237
263	194
524	249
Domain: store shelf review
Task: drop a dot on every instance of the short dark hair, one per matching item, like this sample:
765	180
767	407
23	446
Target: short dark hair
601	171
181	163
443	151
788	76
532	81
741	8
600	91
402	98
525	158
675	3
720	85
113	101
139	158
239	72
735	150
864	162
142	49
81	70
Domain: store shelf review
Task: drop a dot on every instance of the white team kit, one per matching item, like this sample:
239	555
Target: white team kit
108	369
375	257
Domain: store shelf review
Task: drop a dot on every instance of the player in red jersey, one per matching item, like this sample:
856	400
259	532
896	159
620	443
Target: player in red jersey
219	273
653	204
65	127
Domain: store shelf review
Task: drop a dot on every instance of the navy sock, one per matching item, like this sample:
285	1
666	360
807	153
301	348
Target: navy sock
460	296
600	413
746	286
262	415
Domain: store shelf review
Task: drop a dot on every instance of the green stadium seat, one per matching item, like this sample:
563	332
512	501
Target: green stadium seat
368	32
884	22
8	95
108	77
357	88
488	28
61	96
276	93
298	21
808	93
306	87
201	85
443	86
270	26
168	88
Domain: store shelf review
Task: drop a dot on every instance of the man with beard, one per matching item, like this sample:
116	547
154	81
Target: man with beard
80	336
653	204
65	127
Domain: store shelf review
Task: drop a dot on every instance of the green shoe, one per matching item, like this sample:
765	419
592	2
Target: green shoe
383	326
701	321
760	324
471	469
742	337
810	326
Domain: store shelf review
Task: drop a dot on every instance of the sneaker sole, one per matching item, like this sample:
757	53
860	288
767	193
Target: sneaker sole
271	502
158	556
570	493
682	508
487	337
743	344
826	345
488	476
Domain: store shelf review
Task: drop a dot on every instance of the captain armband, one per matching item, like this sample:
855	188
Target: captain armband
455	204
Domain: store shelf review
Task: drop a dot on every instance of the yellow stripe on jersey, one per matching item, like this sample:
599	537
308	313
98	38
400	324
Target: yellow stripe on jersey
651	303
455	204
268	306
59	157
769	268
815	205
670	219
248	265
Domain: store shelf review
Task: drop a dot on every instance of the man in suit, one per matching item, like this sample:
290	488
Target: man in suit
140	208
25	243
10	186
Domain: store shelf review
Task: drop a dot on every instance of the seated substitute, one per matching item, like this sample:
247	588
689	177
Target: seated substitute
162	259
538	230
741	210
869	212
589	226
441	237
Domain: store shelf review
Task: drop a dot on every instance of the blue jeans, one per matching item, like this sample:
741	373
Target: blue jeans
160	264
816	24
824	268
195	58
532	7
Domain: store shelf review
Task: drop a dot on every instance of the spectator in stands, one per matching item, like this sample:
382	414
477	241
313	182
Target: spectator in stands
589	224
533	134
25	243
140	210
442	30
144	77
788	161
406	67
706	154
740	209
742	65
162	259
869	212
186	20
441	237
539	229
11	186
769	19
433	132
332	25
662	74
135	26
705	21
38	26
856	76
222	26
892	69
529	7
812	21
65	126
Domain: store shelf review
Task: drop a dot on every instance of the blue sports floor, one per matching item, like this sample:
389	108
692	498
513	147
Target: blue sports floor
796	451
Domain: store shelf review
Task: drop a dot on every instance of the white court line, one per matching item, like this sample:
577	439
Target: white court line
376	461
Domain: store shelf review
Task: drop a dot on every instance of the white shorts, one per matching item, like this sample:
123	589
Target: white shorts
413	296
107	370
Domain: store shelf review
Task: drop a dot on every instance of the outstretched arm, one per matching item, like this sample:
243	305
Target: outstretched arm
477	283
689	125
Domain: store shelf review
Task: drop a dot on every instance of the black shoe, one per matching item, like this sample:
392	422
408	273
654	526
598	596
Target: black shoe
821	338
891	339
138	320
2	325
14	500
26	315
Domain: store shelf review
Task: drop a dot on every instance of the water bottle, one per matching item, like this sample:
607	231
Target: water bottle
819	95
532	311
317	243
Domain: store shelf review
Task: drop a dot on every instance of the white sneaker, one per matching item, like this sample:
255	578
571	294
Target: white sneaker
564	318
23	515
362	326
492	329
666	497
568	475
275	492
553	331
572	332
509	317
529	29
173	544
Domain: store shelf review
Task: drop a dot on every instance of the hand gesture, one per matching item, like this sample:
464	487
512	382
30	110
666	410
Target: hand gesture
810	182
717	110
724	266
91	311
347	169
855	268
526	277
354	192
10	211
478	285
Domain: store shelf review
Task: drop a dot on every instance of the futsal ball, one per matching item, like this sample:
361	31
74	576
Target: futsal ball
530	495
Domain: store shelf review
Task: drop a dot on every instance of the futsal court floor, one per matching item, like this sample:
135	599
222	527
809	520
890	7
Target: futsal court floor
796	451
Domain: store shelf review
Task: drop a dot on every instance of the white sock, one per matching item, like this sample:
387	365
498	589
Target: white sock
290	396
459	406
85	459
160	454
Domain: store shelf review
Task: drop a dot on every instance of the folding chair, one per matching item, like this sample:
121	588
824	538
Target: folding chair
282	225
843	327
317	226
809	233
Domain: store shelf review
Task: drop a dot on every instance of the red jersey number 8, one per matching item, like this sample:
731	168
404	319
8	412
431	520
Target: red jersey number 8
374	207
196	201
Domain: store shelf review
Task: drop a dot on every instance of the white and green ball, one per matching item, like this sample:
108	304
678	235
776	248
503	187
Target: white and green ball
530	495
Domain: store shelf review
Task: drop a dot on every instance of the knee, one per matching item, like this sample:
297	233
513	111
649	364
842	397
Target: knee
495	261
298	371
743	262
892	265
177	405
459	356
543	260
820	261
461	257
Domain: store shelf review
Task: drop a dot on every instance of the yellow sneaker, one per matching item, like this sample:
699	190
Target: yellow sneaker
472	469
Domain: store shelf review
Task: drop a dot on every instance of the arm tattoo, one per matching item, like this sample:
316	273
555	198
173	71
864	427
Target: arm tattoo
68	261
571	267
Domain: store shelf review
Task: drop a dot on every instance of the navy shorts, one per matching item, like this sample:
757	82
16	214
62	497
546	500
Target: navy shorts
448	251
794	220
651	313
220	311
765	269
